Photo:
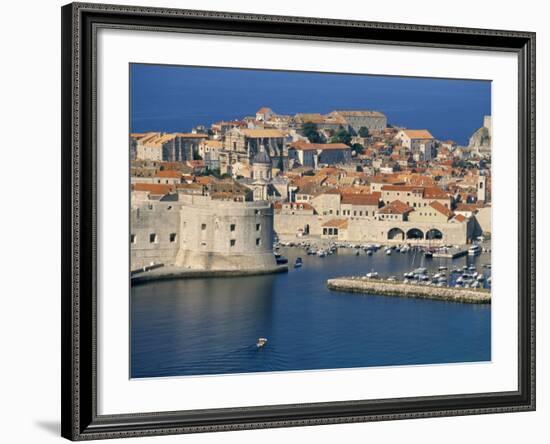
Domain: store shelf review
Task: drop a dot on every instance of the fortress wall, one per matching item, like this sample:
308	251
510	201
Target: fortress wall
225	235
162	219
370	230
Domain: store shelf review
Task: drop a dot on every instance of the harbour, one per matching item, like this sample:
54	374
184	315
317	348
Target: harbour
211	325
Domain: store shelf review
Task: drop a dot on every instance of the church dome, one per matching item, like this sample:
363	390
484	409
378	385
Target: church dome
261	157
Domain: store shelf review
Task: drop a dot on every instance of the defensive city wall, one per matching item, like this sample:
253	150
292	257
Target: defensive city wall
376	231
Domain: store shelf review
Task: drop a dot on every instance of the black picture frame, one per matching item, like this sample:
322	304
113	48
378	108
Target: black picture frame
80	420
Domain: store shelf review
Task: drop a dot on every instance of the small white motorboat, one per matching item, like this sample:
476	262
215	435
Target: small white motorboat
261	342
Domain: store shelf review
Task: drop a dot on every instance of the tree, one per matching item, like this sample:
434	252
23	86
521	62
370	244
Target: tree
341	136
358	148
309	130
196	156
363	131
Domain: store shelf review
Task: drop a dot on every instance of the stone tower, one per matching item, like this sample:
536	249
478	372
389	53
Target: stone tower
481	188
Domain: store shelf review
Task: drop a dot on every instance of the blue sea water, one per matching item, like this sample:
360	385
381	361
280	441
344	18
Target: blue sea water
210	326
176	98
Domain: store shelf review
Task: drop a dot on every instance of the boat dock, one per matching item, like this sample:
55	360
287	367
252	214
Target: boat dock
360	284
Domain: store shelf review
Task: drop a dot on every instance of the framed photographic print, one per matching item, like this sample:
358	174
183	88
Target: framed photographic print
280	221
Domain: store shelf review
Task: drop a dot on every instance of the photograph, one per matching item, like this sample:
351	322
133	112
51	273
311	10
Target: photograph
291	221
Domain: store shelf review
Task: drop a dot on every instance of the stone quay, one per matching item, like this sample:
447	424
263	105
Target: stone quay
379	287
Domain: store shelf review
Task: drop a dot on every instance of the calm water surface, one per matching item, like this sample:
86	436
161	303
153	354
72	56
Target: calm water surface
209	326
176	98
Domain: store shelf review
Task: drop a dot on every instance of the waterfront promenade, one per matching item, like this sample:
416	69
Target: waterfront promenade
378	287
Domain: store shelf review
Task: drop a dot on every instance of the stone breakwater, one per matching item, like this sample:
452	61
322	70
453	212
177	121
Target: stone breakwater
385	288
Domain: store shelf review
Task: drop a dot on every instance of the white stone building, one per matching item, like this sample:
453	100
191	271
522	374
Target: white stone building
419	142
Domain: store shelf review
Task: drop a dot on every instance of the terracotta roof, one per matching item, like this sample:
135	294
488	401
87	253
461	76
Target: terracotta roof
255	133
147	136
336	223
154	188
460	218
212	143
192	135
310	118
204	180
435	193
263	110
441	209
418	134
402	188
157	141
396	207
360	199
169	173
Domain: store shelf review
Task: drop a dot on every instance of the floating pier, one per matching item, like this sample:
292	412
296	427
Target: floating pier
378	287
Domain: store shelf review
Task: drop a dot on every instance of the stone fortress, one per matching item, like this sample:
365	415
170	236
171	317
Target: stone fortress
212	230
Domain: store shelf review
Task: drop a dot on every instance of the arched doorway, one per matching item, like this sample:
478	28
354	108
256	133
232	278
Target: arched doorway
434	233
396	234
415	233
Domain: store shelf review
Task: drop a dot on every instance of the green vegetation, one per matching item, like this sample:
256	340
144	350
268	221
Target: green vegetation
358	148
341	136
363	131
310	131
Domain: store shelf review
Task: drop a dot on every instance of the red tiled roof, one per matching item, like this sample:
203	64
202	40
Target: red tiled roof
435	193
441	209
418	134
396	207
169	173
154	188
360	199
401	188
336	223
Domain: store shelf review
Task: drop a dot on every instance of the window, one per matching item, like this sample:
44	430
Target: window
203	227
232	243
173	237
258	241
258	227
153	238
232	227
132	238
